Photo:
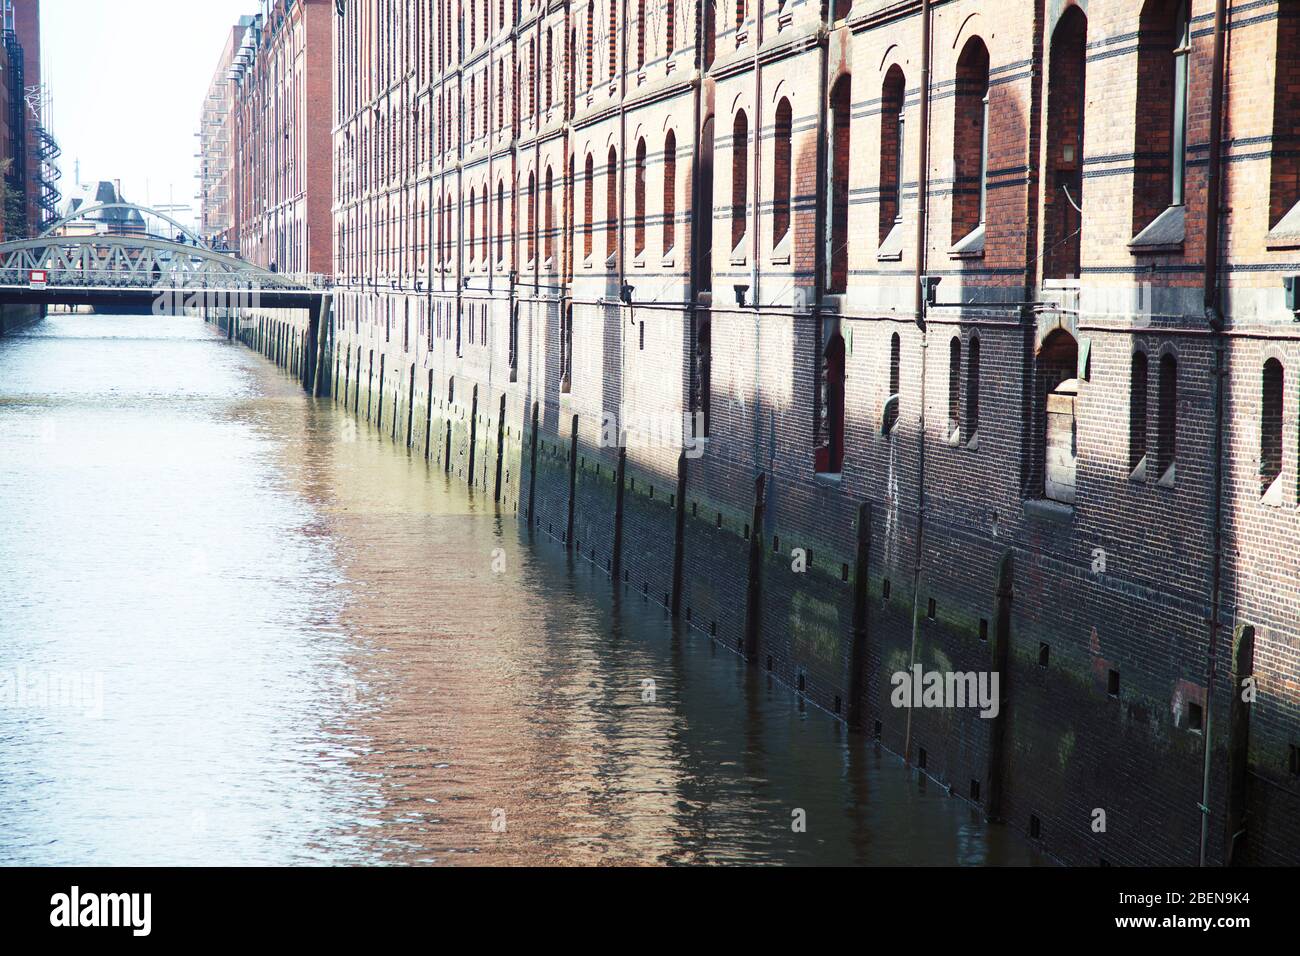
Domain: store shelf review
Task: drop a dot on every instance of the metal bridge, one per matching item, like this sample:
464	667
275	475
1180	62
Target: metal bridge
137	268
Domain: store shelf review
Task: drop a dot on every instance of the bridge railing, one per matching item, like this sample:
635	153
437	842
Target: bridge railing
166	280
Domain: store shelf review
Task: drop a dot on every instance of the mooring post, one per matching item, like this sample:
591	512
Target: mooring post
620	476
309	346
501	448
1243	670
573	480
473	436
1001	654
754	585
679	536
861	605
532	469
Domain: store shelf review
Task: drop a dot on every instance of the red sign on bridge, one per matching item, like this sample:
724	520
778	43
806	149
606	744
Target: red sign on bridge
37	278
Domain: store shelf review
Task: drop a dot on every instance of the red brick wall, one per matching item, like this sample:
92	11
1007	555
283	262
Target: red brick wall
1118	582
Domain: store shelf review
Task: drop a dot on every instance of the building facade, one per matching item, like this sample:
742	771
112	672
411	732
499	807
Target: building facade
280	155
217	222
981	314
30	152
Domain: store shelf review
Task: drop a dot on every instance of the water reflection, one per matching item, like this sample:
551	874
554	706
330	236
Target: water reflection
313	648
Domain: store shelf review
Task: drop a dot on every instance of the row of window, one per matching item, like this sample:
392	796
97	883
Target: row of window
1163	69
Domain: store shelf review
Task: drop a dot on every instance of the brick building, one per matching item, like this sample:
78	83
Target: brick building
1068	455
30	150
280	152
216	134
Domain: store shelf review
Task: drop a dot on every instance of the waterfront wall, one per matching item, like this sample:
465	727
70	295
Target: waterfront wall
555	215
15	317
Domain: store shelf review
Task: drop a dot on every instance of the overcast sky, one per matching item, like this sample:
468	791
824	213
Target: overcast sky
127	78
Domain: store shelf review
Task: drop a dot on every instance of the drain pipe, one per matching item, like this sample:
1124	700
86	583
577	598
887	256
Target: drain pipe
1214	315
819	239
693	282
755	242
919	303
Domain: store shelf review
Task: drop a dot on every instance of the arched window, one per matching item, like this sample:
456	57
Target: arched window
484	238
469	217
954	390
1137	417
638	191
891	151
589	184
1064	173
837	237
710	30
550	65
1163	61
973	390
501	222
549	222
532	217
670	191
1284	195
739	176
890	418
829	455
591	44
1167	420
613	39
611	204
640	34
781	169
1058	364
1270	425
970	144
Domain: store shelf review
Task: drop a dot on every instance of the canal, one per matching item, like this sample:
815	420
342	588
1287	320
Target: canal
239	627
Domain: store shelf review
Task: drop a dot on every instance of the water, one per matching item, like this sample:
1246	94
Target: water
237	627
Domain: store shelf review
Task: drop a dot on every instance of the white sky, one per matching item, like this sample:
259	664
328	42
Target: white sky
127	79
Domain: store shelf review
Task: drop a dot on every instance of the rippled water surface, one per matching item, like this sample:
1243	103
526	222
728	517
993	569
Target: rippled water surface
237	627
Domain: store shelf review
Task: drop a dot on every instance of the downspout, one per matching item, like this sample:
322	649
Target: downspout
1214	316
622	237
919	304
693	281
819	239
534	103
754	243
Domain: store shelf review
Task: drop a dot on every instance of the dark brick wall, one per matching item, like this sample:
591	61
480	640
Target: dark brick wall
945	514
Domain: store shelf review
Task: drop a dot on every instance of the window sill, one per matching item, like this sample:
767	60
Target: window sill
1168	479
1286	234
1275	496
1045	509
831	479
889	417
891	248
1139	474
667	262
1164	236
971	246
639	262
